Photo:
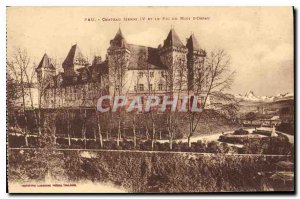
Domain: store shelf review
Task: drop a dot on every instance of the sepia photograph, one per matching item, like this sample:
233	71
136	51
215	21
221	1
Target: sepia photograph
150	99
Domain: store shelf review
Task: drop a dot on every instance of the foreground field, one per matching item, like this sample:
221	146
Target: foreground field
141	171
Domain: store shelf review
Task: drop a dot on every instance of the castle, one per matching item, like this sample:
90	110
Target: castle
127	69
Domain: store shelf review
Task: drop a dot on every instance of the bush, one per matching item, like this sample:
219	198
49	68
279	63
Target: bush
286	128
212	147
92	144
127	145
199	146
111	145
164	147
269	145
16	141
63	142
241	132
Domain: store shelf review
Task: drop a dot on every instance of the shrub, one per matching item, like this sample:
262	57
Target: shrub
213	147
286	128
92	144
16	141
126	145
166	146
241	132
199	146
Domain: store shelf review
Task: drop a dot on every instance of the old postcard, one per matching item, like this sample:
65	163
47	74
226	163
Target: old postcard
150	99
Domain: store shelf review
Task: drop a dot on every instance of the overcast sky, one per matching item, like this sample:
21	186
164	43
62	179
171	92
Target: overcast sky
259	40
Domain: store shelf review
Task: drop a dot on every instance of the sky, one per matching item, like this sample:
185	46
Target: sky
259	40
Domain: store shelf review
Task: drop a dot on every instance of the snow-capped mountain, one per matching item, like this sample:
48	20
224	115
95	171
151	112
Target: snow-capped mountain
284	96
250	96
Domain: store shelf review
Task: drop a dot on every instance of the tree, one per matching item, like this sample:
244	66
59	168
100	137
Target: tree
251	116
212	78
134	115
13	93
151	92
118	62
98	114
21	73
230	110
175	80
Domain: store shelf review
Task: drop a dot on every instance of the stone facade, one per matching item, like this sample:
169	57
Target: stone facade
128	69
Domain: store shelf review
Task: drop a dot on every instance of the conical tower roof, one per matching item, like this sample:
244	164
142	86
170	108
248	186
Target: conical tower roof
45	63
173	40
193	44
75	56
119	35
118	41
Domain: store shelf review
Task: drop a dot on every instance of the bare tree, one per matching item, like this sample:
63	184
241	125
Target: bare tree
98	88
212	78
20	70
176	85
119	83
151	92
134	123
13	93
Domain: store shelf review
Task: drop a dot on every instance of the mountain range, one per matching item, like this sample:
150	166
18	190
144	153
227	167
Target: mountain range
250	96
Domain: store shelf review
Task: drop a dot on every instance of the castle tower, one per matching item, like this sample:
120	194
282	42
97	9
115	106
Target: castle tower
195	60
118	60
45	73
173	56
74	61
45	70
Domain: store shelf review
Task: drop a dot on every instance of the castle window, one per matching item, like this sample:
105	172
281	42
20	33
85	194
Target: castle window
160	87
141	87
150	87
134	88
117	87
151	74
182	61
51	83
163	73
141	74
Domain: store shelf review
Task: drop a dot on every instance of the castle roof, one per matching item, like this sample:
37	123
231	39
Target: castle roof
46	63
142	57
118	41
193	44
99	68
173	40
75	56
119	35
